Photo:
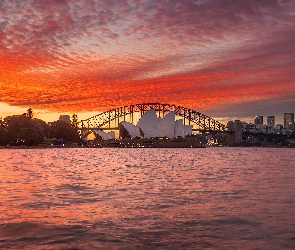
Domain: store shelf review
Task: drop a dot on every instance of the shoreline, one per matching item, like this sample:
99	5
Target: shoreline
85	147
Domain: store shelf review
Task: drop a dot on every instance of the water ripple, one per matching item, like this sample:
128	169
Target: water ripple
96	198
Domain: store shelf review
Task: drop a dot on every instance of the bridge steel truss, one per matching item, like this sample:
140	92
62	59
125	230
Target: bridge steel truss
103	120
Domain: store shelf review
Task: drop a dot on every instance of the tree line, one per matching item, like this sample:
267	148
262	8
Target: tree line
23	129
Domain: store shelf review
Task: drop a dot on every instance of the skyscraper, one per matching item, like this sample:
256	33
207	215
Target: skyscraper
270	124
258	119
271	121
288	118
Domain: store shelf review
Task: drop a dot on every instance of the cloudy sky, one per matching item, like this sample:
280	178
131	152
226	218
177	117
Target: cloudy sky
225	58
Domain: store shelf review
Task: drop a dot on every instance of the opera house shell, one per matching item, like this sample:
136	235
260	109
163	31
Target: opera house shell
103	135
150	126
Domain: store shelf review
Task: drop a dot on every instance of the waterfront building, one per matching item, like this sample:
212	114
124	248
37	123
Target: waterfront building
250	127
291	126
180	130
258	119
270	124
288	118
101	135
128	130
151	126
236	127
284	131
260	128
278	128
269	130
244	126
65	118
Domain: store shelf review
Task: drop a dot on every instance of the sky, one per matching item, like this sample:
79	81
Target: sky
228	59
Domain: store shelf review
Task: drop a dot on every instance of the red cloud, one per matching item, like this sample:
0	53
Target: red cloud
94	55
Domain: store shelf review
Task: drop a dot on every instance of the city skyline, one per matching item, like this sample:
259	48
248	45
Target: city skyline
269	121
229	60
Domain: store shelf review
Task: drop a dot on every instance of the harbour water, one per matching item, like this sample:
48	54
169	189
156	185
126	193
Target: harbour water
116	198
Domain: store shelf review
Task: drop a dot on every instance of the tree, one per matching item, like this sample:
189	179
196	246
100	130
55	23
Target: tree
22	127
64	130
75	120
42	128
29	137
23	130
30	113
2	122
16	122
5	137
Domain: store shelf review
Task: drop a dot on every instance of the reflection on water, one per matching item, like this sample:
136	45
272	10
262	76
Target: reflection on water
224	198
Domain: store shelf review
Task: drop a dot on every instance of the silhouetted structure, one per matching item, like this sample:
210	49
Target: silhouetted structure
288	118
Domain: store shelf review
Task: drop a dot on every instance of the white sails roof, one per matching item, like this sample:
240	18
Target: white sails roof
132	130
150	132
112	134
179	128
188	129
152	126
149	119
104	135
166	125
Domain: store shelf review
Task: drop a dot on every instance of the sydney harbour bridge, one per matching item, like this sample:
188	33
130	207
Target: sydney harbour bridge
111	119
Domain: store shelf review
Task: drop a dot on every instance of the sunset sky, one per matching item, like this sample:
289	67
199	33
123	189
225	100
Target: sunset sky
227	59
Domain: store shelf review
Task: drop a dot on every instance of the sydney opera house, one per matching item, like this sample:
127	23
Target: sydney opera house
103	135
150	126
151	131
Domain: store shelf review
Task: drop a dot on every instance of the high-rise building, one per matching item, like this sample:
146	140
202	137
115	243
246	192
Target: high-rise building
271	121
288	118
250	127
291	126
278	128
258	119
270	124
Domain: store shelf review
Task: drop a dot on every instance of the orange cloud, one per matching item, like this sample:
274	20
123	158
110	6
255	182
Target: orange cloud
69	56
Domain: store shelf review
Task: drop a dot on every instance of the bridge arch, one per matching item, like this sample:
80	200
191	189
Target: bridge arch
110	120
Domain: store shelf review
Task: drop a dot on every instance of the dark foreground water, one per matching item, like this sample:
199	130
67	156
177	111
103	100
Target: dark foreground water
96	198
